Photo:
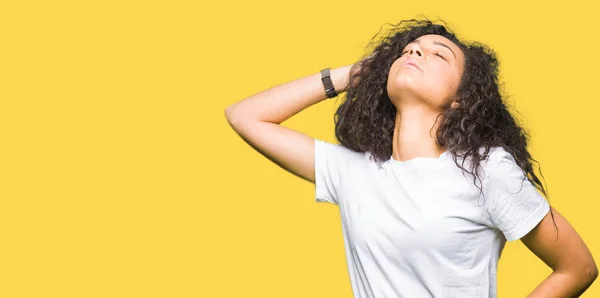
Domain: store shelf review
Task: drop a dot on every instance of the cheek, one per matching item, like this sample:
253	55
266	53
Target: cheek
394	67
452	82
447	80
441	85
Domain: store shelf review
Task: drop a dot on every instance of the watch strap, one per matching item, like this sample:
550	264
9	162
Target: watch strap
327	83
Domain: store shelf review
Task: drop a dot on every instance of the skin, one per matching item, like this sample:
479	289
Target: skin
563	250
420	95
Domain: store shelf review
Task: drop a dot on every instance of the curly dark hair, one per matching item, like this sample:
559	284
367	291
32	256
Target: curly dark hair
364	121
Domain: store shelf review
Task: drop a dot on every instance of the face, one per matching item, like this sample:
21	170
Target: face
427	72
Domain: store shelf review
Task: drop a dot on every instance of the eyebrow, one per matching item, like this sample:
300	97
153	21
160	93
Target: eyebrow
435	43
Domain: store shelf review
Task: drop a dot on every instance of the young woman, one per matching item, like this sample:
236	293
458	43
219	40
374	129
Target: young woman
432	175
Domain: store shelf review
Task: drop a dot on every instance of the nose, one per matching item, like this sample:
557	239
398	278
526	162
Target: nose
415	50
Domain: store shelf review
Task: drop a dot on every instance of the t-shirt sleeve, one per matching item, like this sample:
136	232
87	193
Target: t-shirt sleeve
332	166
512	202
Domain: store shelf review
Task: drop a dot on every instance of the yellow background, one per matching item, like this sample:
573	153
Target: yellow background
120	177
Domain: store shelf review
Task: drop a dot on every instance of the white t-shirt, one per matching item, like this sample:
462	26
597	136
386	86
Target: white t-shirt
420	228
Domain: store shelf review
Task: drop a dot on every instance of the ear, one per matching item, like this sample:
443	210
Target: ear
454	104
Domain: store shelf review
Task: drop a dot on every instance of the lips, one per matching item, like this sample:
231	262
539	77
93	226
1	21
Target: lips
412	62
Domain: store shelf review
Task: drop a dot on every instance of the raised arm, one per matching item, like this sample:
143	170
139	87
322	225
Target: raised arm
257	120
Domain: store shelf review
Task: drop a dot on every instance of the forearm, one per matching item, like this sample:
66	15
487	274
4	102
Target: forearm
560	284
281	102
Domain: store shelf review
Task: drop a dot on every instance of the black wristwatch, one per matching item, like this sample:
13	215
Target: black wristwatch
327	83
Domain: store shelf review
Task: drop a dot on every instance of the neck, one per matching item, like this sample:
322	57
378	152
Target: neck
414	134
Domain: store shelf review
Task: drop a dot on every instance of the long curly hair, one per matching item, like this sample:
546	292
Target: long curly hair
365	120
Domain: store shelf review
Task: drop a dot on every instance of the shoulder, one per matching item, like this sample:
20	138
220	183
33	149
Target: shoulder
338	151
496	156
500	162
503	173
489	160
495	164
498	153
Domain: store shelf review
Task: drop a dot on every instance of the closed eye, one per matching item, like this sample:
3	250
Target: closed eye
435	54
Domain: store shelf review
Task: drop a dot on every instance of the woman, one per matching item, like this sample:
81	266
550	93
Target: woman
432	175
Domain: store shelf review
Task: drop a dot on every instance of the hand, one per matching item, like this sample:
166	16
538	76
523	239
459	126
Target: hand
354	69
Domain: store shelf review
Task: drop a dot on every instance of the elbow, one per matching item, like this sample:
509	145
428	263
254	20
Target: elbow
592	273
587	276
583	275
239	117
229	112
230	116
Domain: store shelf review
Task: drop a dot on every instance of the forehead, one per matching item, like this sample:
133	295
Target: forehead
430	38
435	39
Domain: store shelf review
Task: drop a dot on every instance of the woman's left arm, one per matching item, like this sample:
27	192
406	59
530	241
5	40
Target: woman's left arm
573	266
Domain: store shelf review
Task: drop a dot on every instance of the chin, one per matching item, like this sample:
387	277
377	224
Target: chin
404	80
403	87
